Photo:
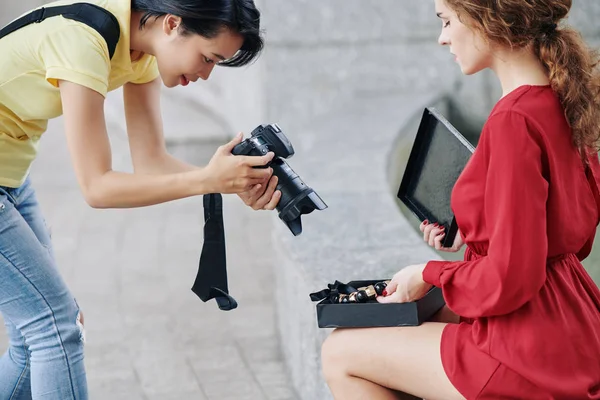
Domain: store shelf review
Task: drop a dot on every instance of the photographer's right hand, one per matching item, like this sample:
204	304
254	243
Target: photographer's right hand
433	235
227	173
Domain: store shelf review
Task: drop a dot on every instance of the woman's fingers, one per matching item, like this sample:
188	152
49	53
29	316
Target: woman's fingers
438	241
426	230
260	173
227	147
392	285
261	197
271	197
430	232
267	197
255	161
274	201
395	292
434	234
393	298
251	195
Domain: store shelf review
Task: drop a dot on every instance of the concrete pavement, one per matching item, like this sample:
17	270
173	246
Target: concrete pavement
148	336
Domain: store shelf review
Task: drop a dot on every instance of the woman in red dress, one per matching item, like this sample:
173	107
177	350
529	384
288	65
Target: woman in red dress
527	204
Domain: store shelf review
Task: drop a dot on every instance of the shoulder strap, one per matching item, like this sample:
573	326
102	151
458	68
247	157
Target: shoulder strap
98	18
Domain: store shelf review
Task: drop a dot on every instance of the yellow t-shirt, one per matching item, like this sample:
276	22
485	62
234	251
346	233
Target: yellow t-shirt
35	57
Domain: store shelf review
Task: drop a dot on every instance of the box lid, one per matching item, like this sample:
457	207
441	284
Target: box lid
438	157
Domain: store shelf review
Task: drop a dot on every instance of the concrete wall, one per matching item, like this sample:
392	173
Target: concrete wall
322	55
343	77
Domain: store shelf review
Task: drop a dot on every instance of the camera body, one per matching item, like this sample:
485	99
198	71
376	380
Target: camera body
263	139
296	197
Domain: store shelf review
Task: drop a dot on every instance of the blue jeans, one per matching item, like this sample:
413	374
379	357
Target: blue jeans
45	355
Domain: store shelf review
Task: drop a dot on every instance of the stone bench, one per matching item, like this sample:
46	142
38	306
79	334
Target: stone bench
349	159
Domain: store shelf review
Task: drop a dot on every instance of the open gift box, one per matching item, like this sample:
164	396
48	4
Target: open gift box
372	313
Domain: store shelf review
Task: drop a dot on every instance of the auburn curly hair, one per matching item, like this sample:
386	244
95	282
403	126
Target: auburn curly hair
572	66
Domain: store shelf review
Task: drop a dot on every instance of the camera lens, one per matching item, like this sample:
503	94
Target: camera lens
296	197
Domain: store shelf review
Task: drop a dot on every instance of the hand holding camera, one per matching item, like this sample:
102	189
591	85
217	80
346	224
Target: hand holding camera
256	170
227	173
296	197
262	197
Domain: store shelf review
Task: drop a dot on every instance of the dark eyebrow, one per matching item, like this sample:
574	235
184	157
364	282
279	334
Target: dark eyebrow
220	57
439	15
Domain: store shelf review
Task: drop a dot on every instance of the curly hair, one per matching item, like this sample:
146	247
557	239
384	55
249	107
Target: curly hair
571	65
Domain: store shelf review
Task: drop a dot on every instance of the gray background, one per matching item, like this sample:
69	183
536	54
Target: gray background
347	81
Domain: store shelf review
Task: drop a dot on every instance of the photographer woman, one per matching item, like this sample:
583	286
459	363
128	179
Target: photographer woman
527	205
62	66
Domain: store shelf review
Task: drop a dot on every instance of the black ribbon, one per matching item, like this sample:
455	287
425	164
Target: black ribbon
332	292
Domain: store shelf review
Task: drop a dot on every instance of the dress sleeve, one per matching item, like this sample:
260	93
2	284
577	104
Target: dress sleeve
515	196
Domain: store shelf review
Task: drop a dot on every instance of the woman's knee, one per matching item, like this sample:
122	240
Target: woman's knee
333	356
70	327
56	331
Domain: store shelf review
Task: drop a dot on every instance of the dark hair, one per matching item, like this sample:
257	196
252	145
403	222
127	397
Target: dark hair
208	18
571	65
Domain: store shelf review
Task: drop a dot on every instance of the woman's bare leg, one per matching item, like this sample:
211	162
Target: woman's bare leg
375	363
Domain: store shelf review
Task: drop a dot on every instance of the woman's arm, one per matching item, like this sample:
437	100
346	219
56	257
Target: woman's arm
147	143
145	131
102	187
516	191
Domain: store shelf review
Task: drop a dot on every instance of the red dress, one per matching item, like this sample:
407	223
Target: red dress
530	312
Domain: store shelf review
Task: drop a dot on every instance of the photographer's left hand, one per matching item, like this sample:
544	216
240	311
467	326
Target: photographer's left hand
261	197
407	285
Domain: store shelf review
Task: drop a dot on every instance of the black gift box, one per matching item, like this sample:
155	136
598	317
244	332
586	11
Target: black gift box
438	156
374	314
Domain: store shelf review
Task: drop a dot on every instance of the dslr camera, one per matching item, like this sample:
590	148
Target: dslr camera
296	197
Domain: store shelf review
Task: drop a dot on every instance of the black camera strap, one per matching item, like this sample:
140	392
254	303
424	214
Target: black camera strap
211	280
98	18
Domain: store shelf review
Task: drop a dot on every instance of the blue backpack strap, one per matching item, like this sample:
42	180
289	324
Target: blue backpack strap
98	18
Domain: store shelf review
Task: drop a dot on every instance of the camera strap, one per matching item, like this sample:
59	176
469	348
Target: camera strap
211	280
98	18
